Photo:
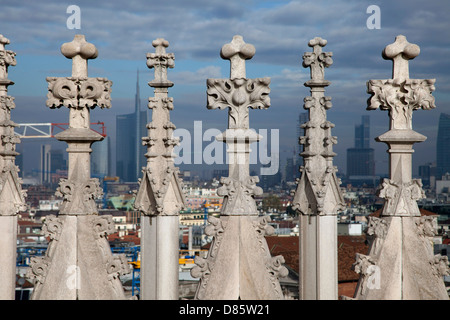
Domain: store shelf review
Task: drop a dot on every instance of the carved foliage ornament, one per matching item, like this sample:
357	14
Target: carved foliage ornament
426	226
7	58
75	92
440	266
90	189
78	194
401	98
165	60
103	226
377	227
165	102
238	95
203	267
38	269
155	196
401	199
317	59
9	141
117	266
52	227
276	268
239	195
7	103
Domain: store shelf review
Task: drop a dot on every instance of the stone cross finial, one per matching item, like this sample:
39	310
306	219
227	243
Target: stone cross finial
238	93
160	141
400	261
7	58
317	59
78	92
400	52
401	95
78	233
239	264
160	60
318	141
237	51
79	50
160	196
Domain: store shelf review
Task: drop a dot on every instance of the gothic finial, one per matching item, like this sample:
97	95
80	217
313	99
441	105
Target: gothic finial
160	61
237	51
79	50
400	52
317	60
7	58
401	95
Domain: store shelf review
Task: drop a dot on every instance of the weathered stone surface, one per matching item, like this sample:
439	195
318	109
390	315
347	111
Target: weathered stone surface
318	196
400	264
160	196
12	197
239	264
78	263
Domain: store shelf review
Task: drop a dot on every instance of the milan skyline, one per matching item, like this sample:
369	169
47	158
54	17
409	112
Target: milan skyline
279	30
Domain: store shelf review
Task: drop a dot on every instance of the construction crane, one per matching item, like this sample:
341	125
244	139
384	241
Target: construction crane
48	129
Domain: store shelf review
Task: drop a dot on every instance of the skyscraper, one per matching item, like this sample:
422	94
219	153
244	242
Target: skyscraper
130	153
101	158
443	146
45	164
362	133
361	159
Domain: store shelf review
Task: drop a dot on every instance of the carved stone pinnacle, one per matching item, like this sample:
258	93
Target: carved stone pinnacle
237	51
160	61
318	61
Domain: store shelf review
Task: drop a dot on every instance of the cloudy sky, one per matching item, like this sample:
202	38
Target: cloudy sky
279	30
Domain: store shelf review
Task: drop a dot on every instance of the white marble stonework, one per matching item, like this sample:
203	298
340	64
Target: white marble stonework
78	264
160	196
12	197
318	196
401	264
238	264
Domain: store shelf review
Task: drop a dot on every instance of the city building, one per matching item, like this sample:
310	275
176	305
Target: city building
443	146
45	164
101	158
361	158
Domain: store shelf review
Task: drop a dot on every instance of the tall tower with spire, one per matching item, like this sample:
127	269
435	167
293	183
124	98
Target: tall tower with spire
130	128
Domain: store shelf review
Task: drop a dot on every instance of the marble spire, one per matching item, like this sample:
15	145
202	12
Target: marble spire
78	264
401	264
12	197
160	196
238	264
318	196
